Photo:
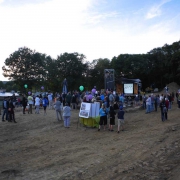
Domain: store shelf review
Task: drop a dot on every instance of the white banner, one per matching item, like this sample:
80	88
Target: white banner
128	88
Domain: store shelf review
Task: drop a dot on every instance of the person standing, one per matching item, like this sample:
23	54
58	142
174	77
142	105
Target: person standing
63	98
136	100
170	100
148	104
74	101
117	98
152	102
166	89
156	102
120	117
167	103
45	103
64	84
50	100
111	98
68	99
103	117
13	99
178	100
66	115
163	110
144	101
121	99
30	103
5	108
37	104
11	111
24	103
58	109
112	114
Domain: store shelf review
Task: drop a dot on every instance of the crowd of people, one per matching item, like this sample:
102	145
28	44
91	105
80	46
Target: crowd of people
112	105
164	101
8	110
29	102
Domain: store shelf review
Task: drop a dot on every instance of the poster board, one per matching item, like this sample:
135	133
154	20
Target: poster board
94	109
89	109
85	110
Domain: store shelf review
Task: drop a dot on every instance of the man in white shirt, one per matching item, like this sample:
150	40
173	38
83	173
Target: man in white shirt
148	104
30	102
50	99
37	104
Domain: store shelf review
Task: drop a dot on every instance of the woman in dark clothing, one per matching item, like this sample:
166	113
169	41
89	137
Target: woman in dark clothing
24	103
11	112
112	114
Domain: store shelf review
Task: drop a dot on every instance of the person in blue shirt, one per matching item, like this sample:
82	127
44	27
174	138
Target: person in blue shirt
45	103
120	117
103	117
102	97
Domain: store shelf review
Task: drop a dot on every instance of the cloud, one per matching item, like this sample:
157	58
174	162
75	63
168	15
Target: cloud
156	10
57	26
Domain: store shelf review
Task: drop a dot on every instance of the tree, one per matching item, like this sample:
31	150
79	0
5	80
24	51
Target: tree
51	78
71	67
1	85
96	72
25	67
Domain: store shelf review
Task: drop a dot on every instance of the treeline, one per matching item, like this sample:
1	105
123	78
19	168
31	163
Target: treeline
158	67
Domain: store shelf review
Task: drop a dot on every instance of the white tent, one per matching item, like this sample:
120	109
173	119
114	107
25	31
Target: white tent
7	94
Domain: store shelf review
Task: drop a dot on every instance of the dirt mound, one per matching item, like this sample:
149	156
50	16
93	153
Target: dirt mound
173	87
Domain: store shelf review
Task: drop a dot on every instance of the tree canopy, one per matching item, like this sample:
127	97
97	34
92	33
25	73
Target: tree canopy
159	66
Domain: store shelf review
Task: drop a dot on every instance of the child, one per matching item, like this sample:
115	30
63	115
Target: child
103	117
45	103
66	115
120	117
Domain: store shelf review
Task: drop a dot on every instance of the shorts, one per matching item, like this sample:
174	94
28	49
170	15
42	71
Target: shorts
103	120
120	122
112	121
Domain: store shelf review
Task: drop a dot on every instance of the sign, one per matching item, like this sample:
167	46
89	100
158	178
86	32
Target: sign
85	110
128	88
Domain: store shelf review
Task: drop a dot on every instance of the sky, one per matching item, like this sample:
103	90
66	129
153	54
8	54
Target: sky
95	28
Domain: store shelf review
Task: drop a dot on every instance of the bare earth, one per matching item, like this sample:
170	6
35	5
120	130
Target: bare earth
39	147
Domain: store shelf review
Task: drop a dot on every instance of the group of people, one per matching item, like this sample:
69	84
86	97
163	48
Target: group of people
8	110
62	112
111	112
112	105
163	101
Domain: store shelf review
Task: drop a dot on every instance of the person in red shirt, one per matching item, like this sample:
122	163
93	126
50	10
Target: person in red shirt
167	103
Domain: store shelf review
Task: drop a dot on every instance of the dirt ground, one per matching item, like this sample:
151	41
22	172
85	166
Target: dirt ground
39	147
